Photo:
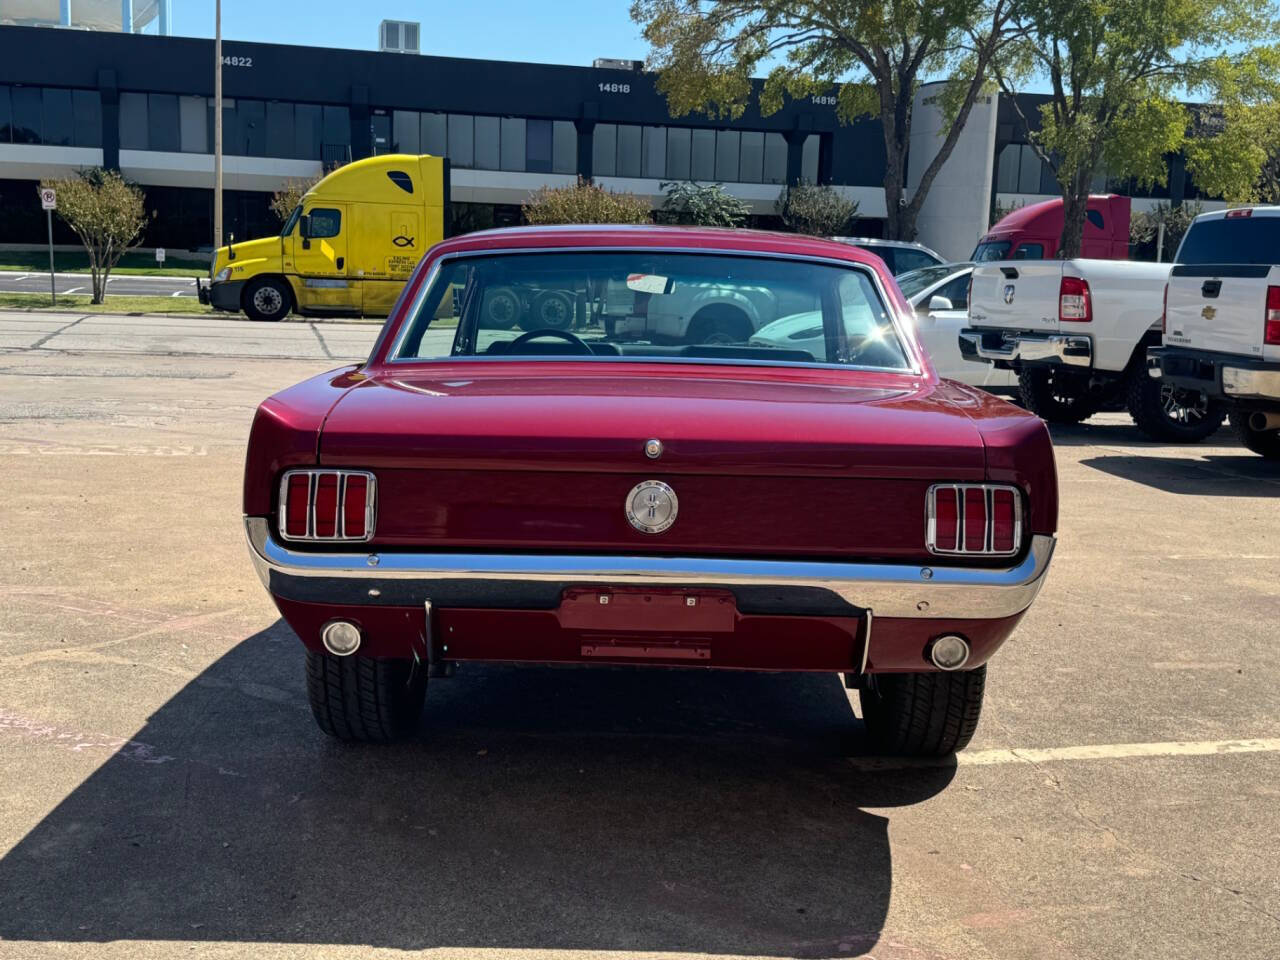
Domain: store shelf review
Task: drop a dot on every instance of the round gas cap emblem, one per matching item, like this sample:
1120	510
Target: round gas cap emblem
652	506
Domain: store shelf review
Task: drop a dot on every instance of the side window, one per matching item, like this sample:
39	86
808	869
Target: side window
1095	217
889	256
868	330
325	222
908	259
1029	251
957	291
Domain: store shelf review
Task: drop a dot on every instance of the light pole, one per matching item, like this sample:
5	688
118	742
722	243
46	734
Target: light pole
217	126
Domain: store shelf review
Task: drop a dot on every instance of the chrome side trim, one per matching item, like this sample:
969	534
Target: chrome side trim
1074	350
890	589
866	644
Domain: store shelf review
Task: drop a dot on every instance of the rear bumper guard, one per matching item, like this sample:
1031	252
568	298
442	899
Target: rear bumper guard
985	346
1216	374
796	587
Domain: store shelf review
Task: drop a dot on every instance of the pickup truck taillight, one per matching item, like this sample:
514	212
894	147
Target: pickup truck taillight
973	519
327	505
1073	301
1271	330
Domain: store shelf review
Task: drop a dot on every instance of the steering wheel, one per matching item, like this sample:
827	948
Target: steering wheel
564	335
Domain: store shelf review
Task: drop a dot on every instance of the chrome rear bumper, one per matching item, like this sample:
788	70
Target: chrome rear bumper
536	580
984	346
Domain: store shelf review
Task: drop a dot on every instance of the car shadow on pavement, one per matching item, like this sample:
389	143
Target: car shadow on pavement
1089	434
542	808
1210	476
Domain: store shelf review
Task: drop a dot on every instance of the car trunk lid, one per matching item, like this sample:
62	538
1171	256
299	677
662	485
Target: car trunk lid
814	463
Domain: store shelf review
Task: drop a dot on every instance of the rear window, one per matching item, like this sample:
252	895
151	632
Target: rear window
1252	239
907	259
653	305
993	250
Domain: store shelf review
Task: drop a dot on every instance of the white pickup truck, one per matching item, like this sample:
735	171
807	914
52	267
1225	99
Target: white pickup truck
1222	320
1077	332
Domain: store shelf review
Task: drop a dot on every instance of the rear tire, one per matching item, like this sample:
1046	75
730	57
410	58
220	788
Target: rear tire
1057	396
363	699
1265	443
922	714
551	310
267	299
1165	412
721	326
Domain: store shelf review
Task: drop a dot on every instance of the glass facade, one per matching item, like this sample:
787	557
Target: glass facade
683	153
488	143
50	115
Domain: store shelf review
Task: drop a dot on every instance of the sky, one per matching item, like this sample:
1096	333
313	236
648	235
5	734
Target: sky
544	31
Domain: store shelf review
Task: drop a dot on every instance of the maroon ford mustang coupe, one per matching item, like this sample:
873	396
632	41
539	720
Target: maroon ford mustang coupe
581	445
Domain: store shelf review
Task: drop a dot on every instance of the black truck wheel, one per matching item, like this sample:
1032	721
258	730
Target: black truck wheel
1265	443
1057	395
365	699
267	298
1168	413
922	714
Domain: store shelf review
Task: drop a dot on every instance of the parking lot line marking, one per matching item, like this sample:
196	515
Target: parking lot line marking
1100	751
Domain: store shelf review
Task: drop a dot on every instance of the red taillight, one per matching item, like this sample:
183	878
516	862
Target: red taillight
1271	329
1164	311
946	518
1240	212
298	505
1073	301
327	505
973	518
355	502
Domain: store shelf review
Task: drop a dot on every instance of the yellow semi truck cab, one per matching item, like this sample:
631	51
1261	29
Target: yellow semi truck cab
346	250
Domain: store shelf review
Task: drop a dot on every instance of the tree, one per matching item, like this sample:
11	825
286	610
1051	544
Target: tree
1117	70
703	204
822	211
584	203
1144	229
284	200
706	53
106	213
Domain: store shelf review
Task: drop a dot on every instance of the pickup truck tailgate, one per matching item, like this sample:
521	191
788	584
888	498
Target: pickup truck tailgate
1221	307
1017	294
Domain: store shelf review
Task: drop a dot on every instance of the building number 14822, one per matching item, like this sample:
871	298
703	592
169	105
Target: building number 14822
237	61
614	87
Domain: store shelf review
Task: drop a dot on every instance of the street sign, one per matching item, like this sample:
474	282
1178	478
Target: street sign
48	199
159	254
49	203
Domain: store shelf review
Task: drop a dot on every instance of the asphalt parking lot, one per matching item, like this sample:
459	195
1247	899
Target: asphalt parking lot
164	792
117	284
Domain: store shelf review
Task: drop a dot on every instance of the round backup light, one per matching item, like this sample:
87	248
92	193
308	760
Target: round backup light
340	637
949	652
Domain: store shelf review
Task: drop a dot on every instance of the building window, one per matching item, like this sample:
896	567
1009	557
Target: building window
487	156
162	122
564	147
434	138
538	146
192	124
702	166
775	158
461	140
133	121
406	132
307	129
279	130
751	167
604	150
251	132
59	120
6	115
678	145
513	145
630	149
654	162
809	158
728	143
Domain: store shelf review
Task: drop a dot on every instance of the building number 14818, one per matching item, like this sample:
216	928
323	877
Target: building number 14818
614	87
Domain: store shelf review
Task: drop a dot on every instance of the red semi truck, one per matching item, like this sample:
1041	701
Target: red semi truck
1032	232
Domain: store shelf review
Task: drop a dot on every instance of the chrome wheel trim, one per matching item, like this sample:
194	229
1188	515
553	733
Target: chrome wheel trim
267	299
1173	402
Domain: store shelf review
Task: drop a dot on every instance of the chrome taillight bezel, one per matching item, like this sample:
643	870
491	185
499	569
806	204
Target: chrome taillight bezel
340	533
959	490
